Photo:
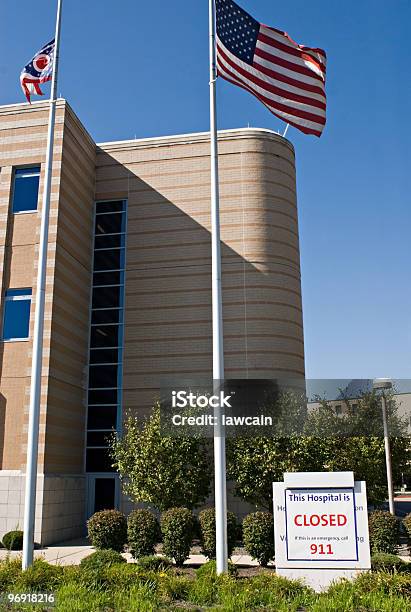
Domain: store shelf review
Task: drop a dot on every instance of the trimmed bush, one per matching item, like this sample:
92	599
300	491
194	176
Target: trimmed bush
384	532
154	563
384	562
101	559
13	540
143	533
108	529
207	527
407	524
258	536
177	526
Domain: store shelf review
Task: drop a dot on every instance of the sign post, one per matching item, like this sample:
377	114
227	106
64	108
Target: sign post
321	527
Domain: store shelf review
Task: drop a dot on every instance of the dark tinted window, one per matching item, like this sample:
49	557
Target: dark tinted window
105	336
107	297
26	189
105	356
103	376
16	318
99	438
104	494
102	417
109	260
105	396
110	224
116	206
106	242
107	316
98	460
108	278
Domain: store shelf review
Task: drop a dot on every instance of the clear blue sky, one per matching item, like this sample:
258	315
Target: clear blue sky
141	68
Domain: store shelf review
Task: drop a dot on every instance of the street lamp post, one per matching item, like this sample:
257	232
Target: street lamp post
383	384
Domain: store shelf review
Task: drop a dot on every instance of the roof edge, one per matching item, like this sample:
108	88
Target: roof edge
196	137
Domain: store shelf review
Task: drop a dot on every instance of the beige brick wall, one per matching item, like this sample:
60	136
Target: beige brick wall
23	131
168	272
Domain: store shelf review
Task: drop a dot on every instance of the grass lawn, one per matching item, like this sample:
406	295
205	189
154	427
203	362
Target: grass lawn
129	588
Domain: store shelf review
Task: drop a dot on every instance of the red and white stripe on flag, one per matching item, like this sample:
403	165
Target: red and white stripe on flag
287	77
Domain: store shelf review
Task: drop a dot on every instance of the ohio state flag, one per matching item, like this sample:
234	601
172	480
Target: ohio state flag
38	70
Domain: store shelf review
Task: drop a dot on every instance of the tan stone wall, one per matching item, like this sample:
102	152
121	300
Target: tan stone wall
23	132
71	299
168	270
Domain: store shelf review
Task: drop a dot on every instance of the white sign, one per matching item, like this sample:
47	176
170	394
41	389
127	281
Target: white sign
320	526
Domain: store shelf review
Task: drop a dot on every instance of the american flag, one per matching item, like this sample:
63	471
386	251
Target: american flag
38	70
287	77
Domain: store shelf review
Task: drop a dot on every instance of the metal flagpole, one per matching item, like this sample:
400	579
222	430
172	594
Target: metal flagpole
36	367
218	349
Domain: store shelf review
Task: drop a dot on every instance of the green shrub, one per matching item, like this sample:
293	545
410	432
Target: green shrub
143	533
386	582
384	532
108	529
101	559
407	524
207	527
13	540
154	563
384	562
177	526
41	576
258	536
174	587
10	570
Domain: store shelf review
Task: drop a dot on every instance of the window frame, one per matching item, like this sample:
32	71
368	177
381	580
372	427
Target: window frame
20	296
112	279
36	173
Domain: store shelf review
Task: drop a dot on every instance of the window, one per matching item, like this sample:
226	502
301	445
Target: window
106	333
16	319
338	409
26	189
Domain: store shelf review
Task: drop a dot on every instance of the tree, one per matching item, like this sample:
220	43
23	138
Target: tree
163	471
354	441
319	441
255	462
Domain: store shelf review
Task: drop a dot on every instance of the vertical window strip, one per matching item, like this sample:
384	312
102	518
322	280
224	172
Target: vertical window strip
103	331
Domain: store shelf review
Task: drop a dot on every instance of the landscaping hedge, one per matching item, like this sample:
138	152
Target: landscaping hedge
177	527
108	529
143	533
407	524
384	562
100	559
384	532
258	536
207	529
13	540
